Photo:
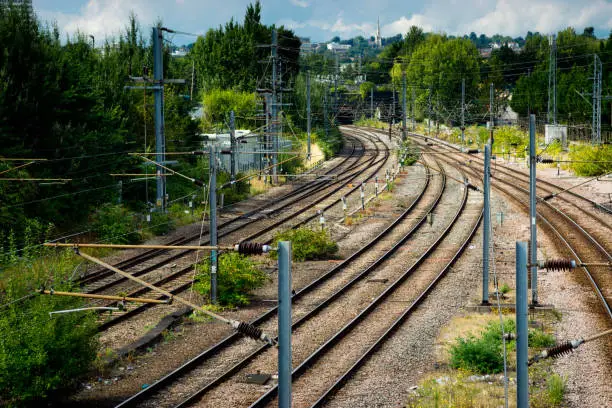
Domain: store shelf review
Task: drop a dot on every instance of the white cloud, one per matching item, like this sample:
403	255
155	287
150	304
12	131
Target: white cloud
403	25
290	23
299	3
340	27
101	18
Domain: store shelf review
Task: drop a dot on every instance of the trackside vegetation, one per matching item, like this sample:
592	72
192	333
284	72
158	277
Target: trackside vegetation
308	244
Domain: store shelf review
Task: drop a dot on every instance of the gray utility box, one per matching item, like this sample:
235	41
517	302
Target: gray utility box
555	132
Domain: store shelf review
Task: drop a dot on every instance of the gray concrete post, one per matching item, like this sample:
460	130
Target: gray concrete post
486	225
212	200
522	374
532	209
284	324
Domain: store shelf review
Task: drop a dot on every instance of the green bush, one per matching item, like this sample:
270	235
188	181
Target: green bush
236	192
237	276
113	223
539	339
308	244
161	223
555	385
40	354
484	354
592	154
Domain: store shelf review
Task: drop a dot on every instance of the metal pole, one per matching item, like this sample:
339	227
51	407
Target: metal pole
413	110
336	88
160	148
429	113
232	146
393	106
274	134
213	223
308	114
405	112
192	78
372	103
522	375
463	111
491	91
532	209
284	324
325	118
486	226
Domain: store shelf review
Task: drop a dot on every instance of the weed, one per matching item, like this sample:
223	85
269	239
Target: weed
308	244
555	386
539	339
504	289
237	276
482	354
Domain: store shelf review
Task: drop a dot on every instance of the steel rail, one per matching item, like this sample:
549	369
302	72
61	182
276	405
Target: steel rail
139	309
310	360
271	313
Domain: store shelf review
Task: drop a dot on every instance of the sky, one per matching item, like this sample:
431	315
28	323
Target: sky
321	20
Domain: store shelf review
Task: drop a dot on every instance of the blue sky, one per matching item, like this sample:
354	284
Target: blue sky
323	19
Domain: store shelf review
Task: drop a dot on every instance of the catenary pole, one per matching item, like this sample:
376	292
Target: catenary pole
158	92
404	111
486	225
284	324
232	146
212	200
522	334
308	130
532	209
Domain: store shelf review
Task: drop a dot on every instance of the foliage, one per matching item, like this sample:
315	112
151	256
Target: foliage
482	354
218	104
237	276
113	223
38	353
556	386
591	160
308	244
236	192
229	57
70	107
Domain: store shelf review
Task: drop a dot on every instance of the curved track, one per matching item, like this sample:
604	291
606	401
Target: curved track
579	239
160	394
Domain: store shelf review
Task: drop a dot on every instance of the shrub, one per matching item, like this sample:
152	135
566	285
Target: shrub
113	223
38	353
539	339
588	153
555	385
161	223
482	354
237	276
308	244
237	192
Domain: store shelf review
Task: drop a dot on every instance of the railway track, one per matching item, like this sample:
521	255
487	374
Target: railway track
180	280
579	239
390	243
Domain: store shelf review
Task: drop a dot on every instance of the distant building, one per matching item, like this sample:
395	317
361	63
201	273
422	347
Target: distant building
378	39
307	46
180	52
339	48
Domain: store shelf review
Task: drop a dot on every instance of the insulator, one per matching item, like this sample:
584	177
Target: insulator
198	183
253	332
548	197
470	186
471	151
252	248
558	264
557	351
541	159
226	151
